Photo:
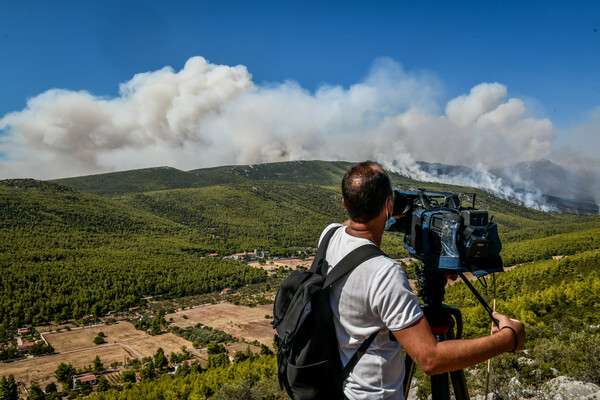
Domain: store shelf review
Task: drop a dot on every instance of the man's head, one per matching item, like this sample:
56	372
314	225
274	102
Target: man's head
365	189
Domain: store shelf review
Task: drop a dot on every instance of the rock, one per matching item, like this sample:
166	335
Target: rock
563	388
412	393
490	396
528	361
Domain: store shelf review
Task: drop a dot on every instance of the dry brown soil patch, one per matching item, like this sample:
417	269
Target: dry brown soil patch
77	347
239	321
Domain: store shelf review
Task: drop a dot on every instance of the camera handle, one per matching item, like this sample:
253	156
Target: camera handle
481	300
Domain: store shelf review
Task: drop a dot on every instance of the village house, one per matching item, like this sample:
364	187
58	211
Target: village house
189	362
245	255
227	291
25	346
231	356
84	380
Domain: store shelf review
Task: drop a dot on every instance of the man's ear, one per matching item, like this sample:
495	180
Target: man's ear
344	204
389	204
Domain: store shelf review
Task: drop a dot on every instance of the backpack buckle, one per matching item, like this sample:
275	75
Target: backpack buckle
275	322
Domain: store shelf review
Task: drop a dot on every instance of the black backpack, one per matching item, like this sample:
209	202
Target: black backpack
308	358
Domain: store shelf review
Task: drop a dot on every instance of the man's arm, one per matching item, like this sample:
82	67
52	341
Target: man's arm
437	357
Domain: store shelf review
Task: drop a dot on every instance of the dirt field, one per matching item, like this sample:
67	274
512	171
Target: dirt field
239	321
124	341
41	369
287	262
138	342
77	347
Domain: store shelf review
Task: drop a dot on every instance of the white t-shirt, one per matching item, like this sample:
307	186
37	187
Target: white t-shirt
375	295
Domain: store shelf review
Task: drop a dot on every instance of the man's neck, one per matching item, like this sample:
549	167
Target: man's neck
371	230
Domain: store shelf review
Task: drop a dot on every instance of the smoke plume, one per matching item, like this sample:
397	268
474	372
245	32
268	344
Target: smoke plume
207	115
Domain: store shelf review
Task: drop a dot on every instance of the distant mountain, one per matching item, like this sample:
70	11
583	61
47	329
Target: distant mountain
163	178
438	169
559	188
567	190
551	179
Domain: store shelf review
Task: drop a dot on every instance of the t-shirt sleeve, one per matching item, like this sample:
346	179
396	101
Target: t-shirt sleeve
393	299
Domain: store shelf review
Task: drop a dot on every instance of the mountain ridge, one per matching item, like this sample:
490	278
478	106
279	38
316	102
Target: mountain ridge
558	188
115	184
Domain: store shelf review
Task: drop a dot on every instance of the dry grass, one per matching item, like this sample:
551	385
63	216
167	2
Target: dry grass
239	321
77	347
124	341
123	333
41	369
286	262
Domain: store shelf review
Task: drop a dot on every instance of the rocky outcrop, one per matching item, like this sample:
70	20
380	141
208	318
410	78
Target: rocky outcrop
564	388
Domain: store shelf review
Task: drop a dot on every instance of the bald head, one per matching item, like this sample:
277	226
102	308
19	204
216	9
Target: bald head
365	189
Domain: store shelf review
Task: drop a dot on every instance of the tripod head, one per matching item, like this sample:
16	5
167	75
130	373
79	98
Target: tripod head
432	283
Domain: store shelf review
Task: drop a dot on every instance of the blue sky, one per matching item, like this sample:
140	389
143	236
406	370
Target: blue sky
546	50
545	53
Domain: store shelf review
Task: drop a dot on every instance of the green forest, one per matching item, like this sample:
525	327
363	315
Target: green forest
100	244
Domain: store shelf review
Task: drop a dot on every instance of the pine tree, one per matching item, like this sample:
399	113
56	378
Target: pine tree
36	392
98	366
160	360
64	374
8	388
103	384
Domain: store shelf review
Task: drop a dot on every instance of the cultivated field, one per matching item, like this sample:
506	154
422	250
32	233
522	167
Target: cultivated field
139	343
77	347
239	321
124	341
41	369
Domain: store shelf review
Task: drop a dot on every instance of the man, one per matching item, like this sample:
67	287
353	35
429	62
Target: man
376	296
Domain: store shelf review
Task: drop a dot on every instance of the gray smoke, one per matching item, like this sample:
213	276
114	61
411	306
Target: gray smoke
207	115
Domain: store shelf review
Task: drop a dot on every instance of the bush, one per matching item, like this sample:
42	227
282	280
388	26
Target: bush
99	340
201	335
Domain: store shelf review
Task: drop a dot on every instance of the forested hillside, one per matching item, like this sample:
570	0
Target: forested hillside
67	253
152	179
114	251
260	214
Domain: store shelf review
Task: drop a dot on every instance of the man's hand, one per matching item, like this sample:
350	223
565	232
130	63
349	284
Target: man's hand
435	357
518	328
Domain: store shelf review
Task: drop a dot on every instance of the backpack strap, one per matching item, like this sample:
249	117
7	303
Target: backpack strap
322	250
359	353
346	265
351	261
294	285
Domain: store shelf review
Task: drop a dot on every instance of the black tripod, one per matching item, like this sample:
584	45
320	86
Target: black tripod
442	320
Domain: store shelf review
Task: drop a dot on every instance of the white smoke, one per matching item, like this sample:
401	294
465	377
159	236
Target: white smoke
481	179
154	120
208	115
581	153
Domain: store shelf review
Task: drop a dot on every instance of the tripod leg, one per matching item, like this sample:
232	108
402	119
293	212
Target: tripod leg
440	389
459	384
440	386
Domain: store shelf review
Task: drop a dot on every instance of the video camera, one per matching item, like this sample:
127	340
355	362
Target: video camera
443	234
